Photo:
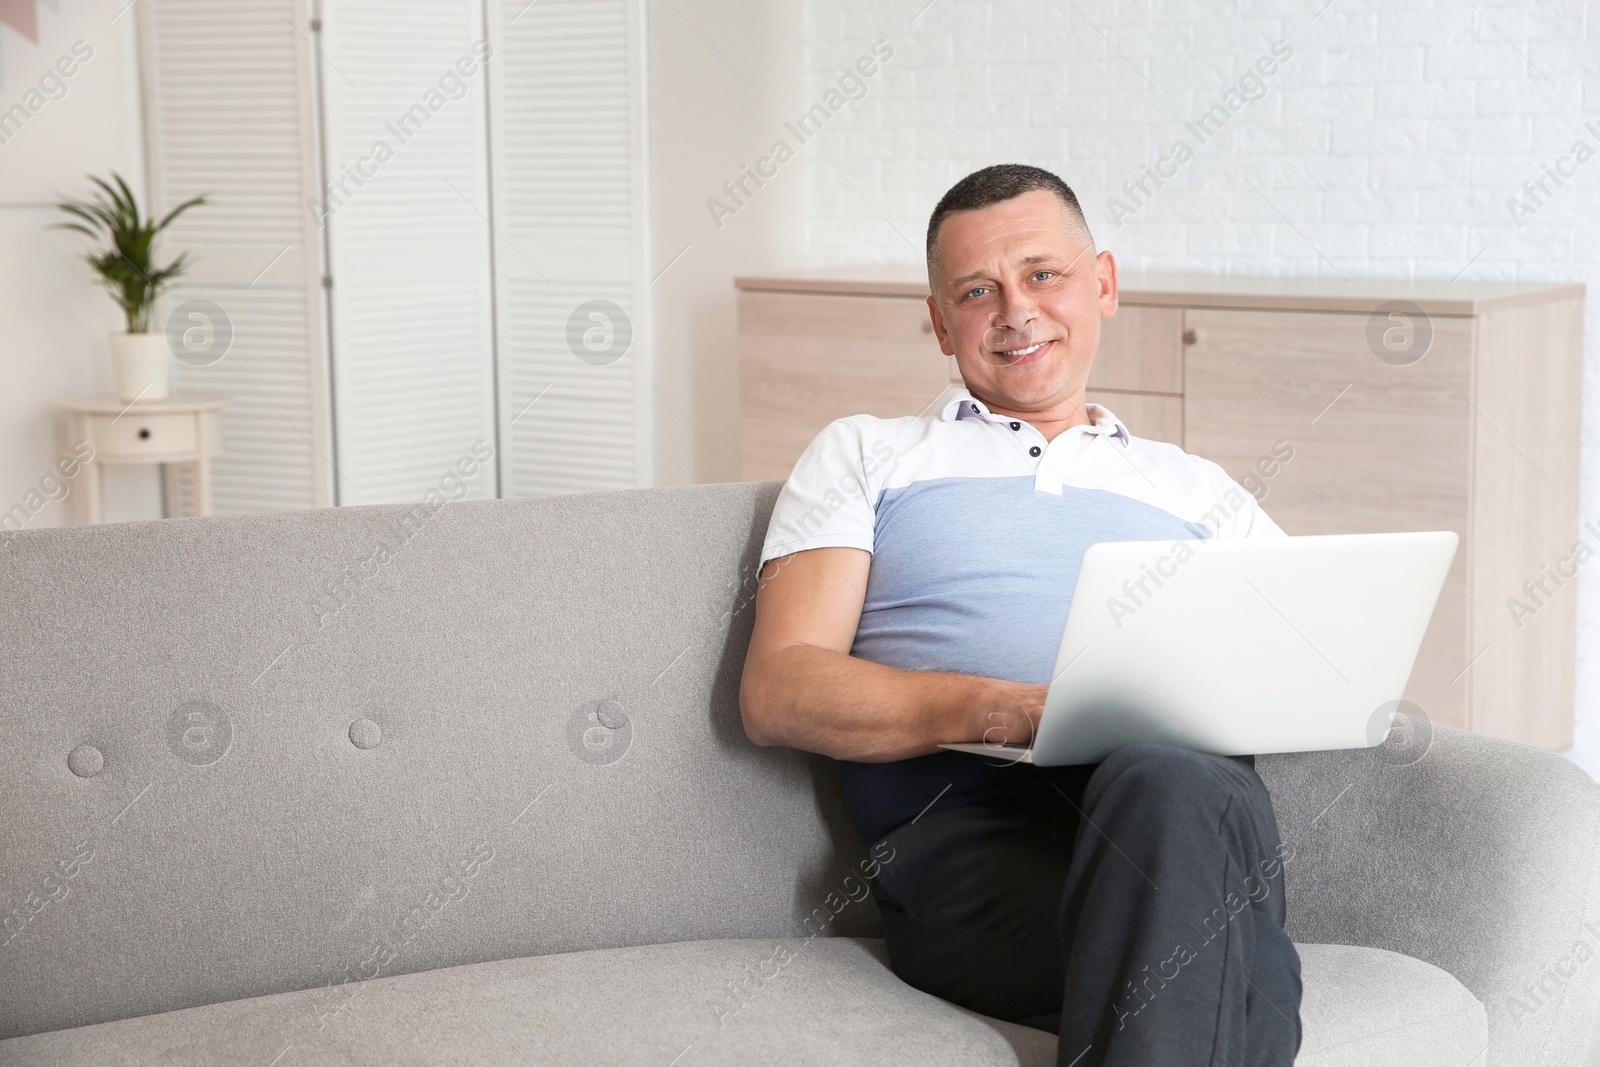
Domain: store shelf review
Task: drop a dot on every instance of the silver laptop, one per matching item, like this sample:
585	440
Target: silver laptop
1236	646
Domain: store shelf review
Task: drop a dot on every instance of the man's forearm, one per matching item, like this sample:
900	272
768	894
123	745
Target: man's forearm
830	702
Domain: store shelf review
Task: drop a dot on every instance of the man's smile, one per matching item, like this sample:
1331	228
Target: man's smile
1028	354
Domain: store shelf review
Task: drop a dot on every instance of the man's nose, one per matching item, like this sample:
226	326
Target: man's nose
1017	311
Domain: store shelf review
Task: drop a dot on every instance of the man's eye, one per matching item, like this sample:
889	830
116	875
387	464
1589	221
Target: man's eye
1043	275
978	291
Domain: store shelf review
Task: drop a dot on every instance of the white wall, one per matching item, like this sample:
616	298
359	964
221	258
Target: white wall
54	319
723	79
1389	144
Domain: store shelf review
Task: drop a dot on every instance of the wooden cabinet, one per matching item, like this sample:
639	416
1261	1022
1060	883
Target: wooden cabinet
804	363
1407	406
1141	351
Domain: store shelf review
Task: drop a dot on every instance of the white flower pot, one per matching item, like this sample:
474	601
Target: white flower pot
143	363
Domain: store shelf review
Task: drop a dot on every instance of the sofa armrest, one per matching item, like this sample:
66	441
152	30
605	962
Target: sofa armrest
1473	854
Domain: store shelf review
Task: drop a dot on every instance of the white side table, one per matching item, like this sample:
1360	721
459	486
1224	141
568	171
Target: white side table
183	429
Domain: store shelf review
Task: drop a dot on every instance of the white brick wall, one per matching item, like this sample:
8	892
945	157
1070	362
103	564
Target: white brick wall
1390	142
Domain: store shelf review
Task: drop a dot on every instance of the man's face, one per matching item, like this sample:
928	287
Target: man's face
1018	297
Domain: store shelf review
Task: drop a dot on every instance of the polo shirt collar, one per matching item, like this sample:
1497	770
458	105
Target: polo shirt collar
957	403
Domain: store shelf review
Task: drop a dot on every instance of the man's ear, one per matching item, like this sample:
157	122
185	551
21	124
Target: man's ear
1105	270
936	315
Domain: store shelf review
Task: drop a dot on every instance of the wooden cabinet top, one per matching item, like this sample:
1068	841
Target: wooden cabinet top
1209	290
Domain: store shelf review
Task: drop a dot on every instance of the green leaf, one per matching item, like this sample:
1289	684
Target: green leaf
175	212
125	262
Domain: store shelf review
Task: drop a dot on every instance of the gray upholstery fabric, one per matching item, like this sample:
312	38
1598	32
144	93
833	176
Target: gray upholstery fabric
1475	855
791	1001
1362	1007
479	651
268	753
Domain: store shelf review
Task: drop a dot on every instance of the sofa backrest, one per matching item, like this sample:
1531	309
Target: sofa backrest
261	753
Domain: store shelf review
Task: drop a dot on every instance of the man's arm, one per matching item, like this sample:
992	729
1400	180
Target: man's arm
802	688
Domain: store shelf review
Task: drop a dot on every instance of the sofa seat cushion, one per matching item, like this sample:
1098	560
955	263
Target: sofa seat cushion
1367	1006
782	1001
736	1002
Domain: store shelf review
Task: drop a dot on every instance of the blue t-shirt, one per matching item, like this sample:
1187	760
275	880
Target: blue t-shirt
977	527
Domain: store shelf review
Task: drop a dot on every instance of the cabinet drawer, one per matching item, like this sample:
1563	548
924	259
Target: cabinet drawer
1141	351
139	436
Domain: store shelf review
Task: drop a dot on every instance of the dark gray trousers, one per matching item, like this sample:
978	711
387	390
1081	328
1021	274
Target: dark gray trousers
1141	920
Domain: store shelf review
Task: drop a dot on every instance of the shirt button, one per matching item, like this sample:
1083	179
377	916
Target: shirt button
974	409
1034	451
1016	425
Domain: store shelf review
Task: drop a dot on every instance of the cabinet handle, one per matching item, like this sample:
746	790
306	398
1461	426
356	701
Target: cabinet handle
144	434
1190	337
927	327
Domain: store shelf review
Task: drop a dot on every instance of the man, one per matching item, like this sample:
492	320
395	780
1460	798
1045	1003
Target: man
915	581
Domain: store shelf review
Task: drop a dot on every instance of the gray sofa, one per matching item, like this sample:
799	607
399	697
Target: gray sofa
384	785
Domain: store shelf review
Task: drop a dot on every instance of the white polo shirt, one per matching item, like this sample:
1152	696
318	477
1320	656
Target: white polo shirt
977	526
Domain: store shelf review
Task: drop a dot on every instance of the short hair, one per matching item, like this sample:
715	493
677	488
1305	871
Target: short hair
995	185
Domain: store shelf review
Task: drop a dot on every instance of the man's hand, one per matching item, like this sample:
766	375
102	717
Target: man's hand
802	688
1011	713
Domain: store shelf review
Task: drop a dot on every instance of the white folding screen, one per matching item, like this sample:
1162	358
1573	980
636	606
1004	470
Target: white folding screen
567	108
406	217
429	239
230	112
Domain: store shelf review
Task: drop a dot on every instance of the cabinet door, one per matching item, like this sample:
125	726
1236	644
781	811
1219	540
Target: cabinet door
1376	447
1141	351
1528	392
1148	415
806	359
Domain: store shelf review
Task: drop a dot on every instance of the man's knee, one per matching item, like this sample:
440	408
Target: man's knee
1155	777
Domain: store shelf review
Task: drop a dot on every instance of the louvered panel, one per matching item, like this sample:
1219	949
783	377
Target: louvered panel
577	137
570	171
265	374
231	117
229	112
579	435
407	193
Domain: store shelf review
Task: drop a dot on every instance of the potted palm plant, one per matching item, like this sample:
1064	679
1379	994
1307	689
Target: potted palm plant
126	265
